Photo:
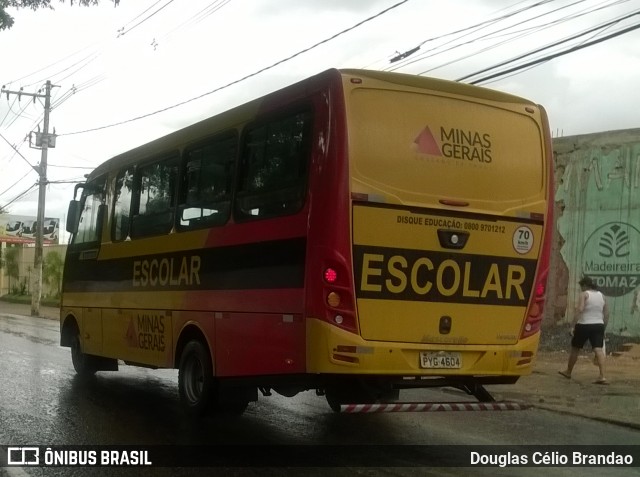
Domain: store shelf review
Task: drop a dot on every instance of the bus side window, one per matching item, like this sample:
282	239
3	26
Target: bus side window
122	205
205	198
155	196
274	167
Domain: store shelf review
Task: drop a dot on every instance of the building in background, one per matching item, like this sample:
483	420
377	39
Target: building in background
598	224
20	231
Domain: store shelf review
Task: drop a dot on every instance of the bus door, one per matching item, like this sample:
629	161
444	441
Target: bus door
85	221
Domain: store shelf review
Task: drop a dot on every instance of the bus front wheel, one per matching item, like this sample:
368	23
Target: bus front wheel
195	378
82	363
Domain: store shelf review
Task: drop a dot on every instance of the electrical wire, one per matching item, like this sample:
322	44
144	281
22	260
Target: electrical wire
521	34
77	89
514	35
553	56
138	16
19	196
244	78
9	110
552	45
195	18
17	80
70	167
16	150
124	32
14	184
472	29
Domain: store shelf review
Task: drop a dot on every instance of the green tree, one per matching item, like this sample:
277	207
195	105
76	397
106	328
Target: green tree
52	269
11	264
6	20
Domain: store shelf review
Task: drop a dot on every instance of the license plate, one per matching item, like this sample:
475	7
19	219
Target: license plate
440	360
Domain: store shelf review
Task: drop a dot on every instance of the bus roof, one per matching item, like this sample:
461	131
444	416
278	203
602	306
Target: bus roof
243	113
437	84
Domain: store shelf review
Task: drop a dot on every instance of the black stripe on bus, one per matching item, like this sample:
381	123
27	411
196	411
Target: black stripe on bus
261	265
430	276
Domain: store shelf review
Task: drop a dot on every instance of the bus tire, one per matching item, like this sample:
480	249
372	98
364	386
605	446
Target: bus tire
333	401
195	379
83	363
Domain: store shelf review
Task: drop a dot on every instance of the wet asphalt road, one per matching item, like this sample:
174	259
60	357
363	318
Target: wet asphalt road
42	402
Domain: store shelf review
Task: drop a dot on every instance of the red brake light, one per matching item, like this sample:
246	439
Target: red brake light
330	275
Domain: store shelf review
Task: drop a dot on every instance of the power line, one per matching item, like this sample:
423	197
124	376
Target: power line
506	31
14	184
266	68
553	56
9	110
18	152
44	68
586	32
70	167
19	196
466	30
195	18
77	89
18	115
521	33
124	32
139	15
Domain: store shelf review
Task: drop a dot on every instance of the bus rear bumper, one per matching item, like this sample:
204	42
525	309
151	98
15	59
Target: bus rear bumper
331	350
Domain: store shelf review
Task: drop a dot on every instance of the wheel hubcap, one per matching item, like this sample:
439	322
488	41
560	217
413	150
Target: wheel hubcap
194	381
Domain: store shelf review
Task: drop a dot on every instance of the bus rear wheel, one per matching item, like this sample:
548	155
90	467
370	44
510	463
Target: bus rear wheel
195	378
82	363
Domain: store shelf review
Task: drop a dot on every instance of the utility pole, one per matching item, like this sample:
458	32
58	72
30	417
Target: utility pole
43	140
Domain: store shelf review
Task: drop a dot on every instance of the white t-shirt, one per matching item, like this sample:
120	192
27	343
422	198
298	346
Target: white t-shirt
593	313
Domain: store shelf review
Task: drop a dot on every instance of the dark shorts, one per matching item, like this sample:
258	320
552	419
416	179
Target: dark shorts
593	333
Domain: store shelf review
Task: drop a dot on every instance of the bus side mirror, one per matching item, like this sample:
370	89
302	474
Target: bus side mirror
72	216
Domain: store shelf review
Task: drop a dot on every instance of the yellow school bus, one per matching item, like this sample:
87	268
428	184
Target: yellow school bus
357	233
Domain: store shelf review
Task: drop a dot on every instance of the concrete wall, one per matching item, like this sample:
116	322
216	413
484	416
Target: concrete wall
25	262
598	224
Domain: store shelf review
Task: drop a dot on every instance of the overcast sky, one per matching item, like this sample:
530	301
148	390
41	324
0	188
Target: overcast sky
176	50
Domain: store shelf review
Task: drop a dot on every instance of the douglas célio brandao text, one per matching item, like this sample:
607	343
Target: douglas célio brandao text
550	458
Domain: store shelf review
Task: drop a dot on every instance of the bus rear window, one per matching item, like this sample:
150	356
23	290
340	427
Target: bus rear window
423	147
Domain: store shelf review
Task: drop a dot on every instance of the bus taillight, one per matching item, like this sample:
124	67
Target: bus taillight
333	300
330	275
534	313
338	295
